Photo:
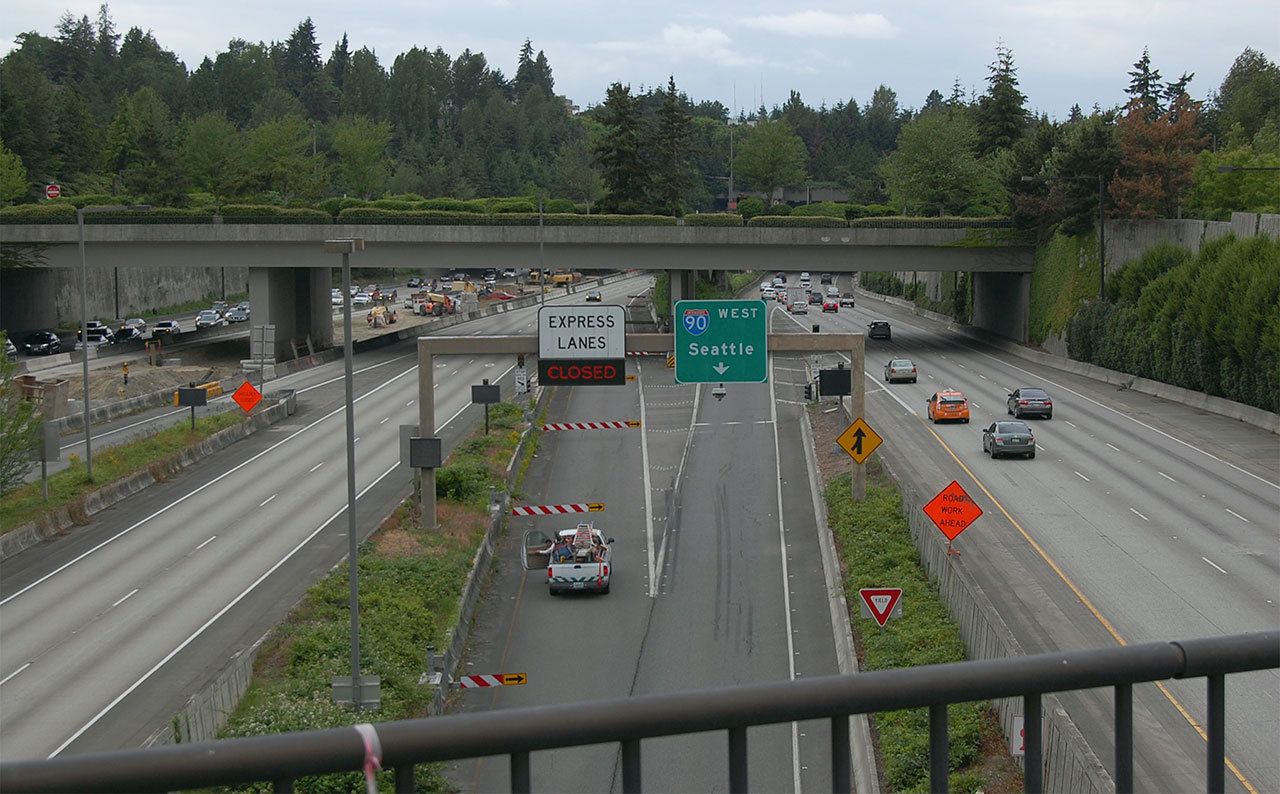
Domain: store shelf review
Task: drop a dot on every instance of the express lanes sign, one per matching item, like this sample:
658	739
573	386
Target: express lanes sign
580	332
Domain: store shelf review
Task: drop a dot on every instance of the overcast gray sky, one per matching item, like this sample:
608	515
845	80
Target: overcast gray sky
1066	51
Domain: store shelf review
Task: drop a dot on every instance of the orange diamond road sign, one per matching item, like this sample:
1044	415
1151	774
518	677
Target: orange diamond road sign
247	397
859	440
952	510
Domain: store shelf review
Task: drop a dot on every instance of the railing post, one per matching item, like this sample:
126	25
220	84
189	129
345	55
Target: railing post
939	754
738	760
1124	739
841	772
1217	734
631	766
520	783
404	779
1033	761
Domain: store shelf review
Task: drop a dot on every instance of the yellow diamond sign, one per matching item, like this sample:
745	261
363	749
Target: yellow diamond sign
859	440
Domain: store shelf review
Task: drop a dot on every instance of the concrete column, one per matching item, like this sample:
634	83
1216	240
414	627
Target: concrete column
1002	304
320	327
296	302
682	282
427	429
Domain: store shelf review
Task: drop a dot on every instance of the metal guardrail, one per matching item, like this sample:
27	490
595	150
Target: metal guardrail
283	758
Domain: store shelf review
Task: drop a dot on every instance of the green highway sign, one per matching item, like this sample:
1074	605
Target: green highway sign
723	341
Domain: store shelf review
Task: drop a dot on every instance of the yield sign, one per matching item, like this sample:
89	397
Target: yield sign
859	440
881	603
247	396
952	510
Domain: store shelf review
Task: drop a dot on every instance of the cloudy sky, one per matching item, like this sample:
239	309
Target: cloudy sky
741	52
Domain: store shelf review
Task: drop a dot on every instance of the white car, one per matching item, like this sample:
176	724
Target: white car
764	285
804	276
335	297
362	299
767	292
166	328
509	273
832	292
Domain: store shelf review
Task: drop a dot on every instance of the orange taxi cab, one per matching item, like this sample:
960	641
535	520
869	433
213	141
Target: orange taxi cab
948	405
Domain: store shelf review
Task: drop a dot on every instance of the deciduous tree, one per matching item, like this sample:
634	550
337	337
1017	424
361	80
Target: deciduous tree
361	147
19	428
770	157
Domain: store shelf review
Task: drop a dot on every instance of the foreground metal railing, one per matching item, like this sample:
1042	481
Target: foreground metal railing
283	758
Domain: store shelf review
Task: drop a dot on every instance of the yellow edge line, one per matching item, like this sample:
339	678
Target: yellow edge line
1106	624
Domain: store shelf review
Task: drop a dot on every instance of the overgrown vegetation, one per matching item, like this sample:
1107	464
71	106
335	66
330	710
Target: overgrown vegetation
876	550
410	581
1065	276
1207	322
25	504
19	426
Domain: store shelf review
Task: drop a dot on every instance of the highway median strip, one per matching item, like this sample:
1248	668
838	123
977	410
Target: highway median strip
410	581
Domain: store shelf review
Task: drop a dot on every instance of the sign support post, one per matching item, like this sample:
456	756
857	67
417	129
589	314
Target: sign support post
858	400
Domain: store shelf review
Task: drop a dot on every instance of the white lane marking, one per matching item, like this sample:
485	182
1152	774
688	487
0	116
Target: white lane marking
961	366
318	465
975	405
1068	421
384	420
435	385
207	542
786	593
471	361
353	441
268	499
1237	515
1214	564
125	597
1040	447
932	378
15	672
1167	477
1113	446
195	491
1139	515
984	377
195	634
684	457
1081	476
411	402
648	488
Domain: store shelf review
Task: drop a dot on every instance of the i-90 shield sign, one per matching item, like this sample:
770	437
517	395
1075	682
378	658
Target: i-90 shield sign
696	321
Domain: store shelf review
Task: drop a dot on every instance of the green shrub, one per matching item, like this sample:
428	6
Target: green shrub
154	215
609	220
948	222
465	480
396	204
560	206
406	197
38	213
267	213
339	203
883	283
94	199
816	222
714	219
827	209
781	210
499	206
750	207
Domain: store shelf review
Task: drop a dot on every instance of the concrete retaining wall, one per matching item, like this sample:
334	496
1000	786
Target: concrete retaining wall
79	512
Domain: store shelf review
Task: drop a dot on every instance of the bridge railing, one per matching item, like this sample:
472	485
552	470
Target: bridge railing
284	758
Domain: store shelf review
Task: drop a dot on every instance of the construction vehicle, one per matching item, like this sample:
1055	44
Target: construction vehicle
431	304
380	317
535	276
561	279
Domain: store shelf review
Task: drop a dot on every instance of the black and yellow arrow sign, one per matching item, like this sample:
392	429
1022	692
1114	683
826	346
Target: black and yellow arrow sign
514	679
633	423
859	440
595	507
631	377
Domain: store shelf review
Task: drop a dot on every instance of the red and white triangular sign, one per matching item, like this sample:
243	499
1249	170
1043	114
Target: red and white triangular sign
880	602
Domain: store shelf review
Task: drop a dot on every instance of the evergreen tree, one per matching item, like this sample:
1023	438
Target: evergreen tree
76	140
1075	115
416	92
671	151
242	76
1086	150
881	119
1001	115
77	45
26	114
364	90
620	154
933	103
13	176
532	71
300	58
1144	85
339	63
1250	95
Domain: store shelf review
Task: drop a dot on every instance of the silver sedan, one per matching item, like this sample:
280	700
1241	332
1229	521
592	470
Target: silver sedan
1009	438
900	369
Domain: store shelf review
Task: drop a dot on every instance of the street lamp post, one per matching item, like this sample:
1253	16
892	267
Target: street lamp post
346	247
84	318
1102	228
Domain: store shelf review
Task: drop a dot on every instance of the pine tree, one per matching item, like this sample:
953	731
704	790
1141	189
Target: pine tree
1158	156
1002	117
1144	85
671	150
339	63
620	153
365	89
933	102
1075	115
300	57
76	140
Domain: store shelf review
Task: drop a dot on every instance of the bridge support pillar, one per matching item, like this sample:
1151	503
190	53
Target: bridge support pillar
1002	304
296	301
682	282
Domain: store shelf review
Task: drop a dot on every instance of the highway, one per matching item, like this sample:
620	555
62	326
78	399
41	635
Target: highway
1161	516
738	597
109	629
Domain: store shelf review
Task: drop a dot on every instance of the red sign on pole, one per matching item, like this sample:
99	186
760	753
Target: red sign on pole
247	396
52	191
952	510
880	602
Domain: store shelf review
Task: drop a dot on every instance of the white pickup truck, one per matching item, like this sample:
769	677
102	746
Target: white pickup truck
576	559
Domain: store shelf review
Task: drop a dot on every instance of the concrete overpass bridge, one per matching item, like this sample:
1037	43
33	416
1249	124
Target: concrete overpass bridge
289	273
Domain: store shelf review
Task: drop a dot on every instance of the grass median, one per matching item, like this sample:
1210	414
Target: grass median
24	504
410	583
875	548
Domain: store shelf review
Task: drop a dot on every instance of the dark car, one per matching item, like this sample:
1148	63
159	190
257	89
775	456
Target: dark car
41	343
846	299
815	298
879	330
415	281
128	332
594	296
1029	402
825	278
1008	438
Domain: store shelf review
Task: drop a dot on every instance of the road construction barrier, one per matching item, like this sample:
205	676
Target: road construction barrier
212	389
610	425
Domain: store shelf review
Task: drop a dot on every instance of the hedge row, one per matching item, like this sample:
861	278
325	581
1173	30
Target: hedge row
52	212
781	221
267	213
376	215
947	222
714	219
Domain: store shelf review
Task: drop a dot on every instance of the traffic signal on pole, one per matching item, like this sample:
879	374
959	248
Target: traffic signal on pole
808	391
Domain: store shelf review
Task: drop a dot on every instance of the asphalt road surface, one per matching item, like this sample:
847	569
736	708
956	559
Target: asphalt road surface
1163	517
737	593
108	630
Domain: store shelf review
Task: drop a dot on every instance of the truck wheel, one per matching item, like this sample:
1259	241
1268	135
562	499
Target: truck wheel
605	590
437	310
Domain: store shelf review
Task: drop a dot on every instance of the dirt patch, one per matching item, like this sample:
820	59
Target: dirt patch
394	542
459	523
107	383
1000	774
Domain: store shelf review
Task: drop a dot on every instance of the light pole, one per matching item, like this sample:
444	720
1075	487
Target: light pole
542	272
1102	228
84	318
346	247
